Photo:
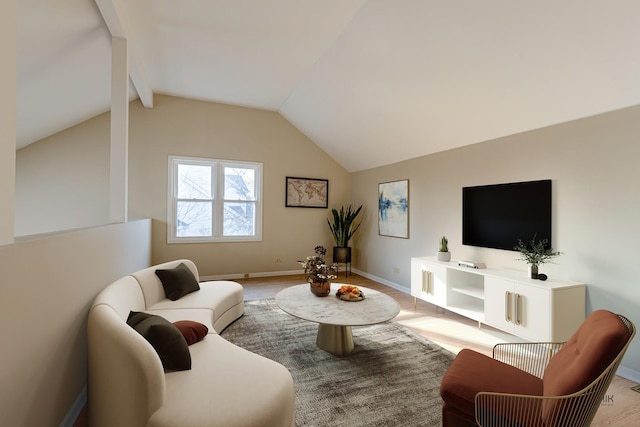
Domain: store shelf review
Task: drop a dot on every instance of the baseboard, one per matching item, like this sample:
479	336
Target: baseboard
393	285
628	373
251	275
294	272
76	408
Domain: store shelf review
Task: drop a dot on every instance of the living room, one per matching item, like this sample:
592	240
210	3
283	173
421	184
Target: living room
586	212
61	183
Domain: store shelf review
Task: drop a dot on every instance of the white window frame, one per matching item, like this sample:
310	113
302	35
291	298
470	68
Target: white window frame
218	167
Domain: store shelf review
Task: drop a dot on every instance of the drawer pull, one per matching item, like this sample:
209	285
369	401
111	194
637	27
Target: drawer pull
518	309
427	285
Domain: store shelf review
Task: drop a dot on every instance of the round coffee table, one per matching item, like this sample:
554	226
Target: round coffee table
334	316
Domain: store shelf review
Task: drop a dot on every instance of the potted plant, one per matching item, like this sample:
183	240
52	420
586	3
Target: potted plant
319	273
443	252
342	228
535	254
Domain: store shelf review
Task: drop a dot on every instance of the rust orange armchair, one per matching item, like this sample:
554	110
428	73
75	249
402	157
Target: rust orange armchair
537	384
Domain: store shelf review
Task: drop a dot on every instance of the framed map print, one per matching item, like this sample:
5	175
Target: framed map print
393	209
307	193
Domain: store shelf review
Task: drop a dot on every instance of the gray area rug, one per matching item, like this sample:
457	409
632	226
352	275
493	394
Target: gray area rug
392	378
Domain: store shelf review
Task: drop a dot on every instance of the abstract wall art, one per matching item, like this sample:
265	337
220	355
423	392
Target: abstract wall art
393	209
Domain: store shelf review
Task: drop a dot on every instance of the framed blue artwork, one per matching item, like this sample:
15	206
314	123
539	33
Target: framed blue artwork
393	209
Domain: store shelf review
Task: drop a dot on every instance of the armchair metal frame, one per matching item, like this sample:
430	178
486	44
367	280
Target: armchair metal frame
573	410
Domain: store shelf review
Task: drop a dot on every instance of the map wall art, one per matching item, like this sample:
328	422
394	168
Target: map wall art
307	192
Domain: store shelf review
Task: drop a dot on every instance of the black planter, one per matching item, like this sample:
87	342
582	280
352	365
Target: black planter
342	255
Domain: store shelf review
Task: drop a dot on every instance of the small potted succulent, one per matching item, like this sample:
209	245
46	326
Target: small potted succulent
535	254
443	252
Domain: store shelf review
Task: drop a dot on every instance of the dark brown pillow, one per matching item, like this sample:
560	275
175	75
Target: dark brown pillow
191	331
165	338
178	282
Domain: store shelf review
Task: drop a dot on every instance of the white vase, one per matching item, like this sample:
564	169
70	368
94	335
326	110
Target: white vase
444	256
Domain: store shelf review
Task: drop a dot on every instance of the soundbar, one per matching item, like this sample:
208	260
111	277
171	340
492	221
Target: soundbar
471	264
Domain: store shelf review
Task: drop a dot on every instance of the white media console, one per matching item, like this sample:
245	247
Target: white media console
539	311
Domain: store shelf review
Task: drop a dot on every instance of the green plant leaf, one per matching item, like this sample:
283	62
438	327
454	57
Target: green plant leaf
343	227
535	252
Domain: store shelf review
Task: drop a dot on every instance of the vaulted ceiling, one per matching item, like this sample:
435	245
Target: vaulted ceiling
372	82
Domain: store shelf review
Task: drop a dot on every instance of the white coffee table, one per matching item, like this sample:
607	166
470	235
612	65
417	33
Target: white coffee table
334	316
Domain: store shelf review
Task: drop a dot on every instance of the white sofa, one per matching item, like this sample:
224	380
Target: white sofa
226	385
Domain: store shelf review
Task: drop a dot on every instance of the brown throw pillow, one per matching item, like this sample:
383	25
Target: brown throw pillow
178	282
191	331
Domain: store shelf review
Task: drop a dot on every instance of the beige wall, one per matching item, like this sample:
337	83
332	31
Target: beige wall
593	165
7	119
62	181
177	126
46	288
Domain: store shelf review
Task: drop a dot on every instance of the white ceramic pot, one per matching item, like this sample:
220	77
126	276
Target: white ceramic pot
444	256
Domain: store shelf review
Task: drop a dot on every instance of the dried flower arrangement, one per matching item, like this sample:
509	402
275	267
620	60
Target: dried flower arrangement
317	269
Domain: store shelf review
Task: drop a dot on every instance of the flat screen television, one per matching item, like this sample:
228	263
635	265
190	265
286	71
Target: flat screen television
496	216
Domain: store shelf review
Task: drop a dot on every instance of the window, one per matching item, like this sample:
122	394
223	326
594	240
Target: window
214	200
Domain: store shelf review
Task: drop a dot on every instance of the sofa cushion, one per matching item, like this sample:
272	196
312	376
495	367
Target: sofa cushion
177	282
472	372
227	386
150	282
219	296
164	337
192	332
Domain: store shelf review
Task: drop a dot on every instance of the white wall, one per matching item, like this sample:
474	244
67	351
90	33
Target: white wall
593	164
46	288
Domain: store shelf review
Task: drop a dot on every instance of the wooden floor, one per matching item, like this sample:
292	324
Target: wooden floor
620	408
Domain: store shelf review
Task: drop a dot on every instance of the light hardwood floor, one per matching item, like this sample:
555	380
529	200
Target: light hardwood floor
622	405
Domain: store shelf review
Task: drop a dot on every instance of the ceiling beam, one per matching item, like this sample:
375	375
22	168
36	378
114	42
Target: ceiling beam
112	16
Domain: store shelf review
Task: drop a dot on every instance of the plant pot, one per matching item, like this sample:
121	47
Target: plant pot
342	255
533	271
320	289
444	256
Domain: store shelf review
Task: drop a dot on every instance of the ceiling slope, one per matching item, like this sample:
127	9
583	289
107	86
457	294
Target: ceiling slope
371	82
409	77
243	52
63	66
